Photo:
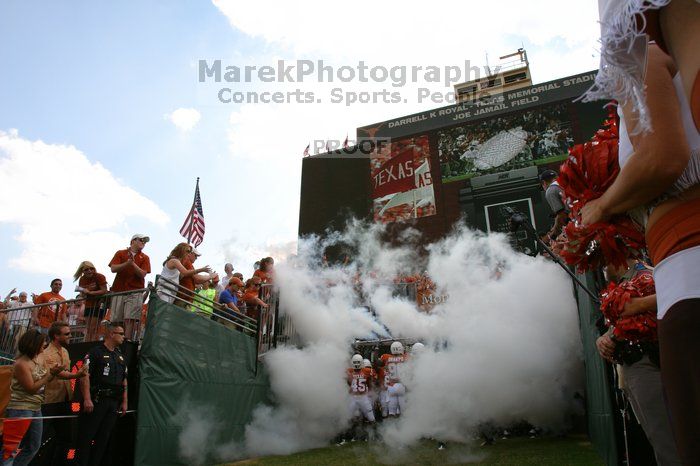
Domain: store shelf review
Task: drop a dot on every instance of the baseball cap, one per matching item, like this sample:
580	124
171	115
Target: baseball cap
547	175
235	281
144	238
195	252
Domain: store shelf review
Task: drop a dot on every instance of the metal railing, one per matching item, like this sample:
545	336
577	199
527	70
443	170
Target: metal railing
187	299
15	321
276	326
268	326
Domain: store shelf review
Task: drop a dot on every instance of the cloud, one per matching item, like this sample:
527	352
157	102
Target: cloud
405	32
184	118
64	204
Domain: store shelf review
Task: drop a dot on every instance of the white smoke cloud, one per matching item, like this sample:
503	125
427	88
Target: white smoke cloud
513	348
498	350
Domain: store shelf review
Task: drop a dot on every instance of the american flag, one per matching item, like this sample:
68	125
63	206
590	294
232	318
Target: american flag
193	228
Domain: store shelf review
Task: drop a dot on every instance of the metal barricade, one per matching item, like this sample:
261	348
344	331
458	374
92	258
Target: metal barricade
85	325
276	327
180	296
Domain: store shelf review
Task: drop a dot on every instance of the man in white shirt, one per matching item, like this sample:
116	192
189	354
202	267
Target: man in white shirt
223	281
18	318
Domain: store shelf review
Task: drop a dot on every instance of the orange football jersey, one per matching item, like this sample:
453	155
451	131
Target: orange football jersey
359	380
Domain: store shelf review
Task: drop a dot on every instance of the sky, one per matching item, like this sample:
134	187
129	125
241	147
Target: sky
105	125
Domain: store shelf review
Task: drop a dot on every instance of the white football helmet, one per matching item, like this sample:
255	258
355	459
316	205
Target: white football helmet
417	348
366	363
396	348
356	361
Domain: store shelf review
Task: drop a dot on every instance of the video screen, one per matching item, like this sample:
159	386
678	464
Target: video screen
402	185
535	137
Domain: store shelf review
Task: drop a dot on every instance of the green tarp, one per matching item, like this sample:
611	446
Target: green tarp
599	405
198	376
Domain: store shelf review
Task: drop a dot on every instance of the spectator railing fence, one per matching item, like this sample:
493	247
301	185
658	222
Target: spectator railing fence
276	327
269	325
205	307
14	322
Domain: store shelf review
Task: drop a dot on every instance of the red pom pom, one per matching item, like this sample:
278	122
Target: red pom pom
588	172
638	327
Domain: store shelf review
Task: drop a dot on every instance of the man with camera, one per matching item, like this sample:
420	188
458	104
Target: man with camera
640	367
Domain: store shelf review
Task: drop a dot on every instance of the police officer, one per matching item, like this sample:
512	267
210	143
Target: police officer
104	396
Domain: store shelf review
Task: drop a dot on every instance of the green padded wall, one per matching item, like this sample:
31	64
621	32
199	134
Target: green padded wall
190	364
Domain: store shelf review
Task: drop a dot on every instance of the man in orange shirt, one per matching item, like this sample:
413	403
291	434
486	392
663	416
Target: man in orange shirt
44	316
131	266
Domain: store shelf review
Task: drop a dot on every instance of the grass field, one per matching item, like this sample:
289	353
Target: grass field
569	451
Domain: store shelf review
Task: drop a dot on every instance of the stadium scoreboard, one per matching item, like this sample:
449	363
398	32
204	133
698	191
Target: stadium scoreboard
459	163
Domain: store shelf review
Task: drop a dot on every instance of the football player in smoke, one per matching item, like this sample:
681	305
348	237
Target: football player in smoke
392	395
417	348
373	395
360	385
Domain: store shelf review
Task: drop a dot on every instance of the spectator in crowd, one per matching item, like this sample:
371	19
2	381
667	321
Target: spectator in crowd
251	297
265	272
660	178
256	266
217	286
208	294
639	367
17	319
228	274
58	392
555	198
44	316
75	312
131	266
188	281
238	275
174	270
11	296
229	298
92	286
26	396
104	396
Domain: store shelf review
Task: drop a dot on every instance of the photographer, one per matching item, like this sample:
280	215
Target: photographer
639	367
